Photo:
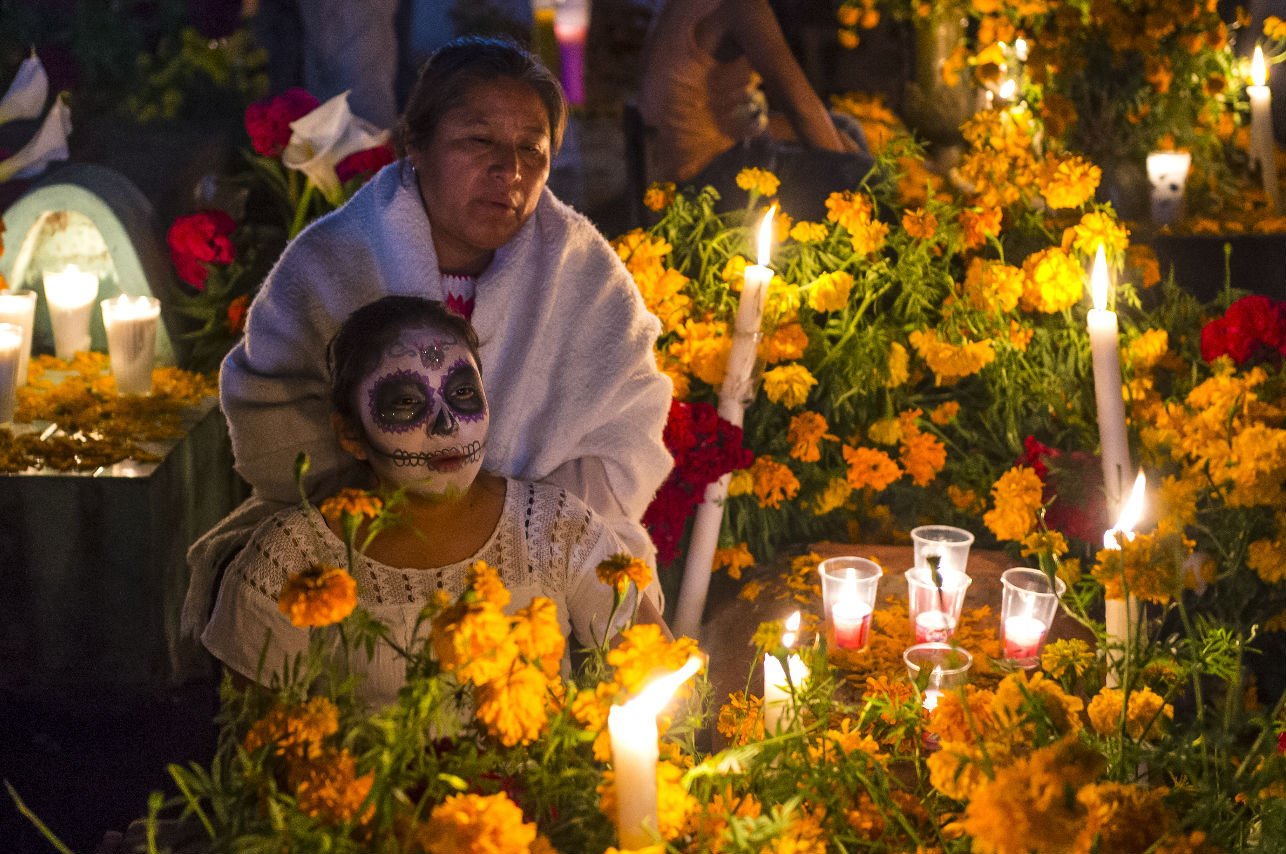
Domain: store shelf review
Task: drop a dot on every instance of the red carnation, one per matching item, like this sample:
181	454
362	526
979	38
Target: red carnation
268	121
199	239
1253	327
365	163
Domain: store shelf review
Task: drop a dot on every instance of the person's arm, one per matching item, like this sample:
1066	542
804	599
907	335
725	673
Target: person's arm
753	27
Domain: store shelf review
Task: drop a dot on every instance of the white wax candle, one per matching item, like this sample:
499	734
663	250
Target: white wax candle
933	627
851	622
1105	348
1023	637
131	340
70	294
1120	615
10	358
776	688
1263	146
20	310
734	394
633	730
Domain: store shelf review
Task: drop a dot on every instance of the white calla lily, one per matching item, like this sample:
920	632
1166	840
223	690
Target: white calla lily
324	137
48	145
26	96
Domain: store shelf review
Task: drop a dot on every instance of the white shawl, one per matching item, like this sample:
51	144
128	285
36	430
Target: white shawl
565	340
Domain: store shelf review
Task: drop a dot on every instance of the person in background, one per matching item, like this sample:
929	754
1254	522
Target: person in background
707	65
565	341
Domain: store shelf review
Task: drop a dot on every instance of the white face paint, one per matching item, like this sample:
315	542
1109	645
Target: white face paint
425	415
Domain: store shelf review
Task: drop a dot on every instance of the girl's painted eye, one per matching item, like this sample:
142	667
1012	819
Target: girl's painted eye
401	402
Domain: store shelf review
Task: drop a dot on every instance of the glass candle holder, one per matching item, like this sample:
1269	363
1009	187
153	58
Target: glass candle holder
848	598
10	357
70	294
131	340
935	612
1028	603
19	309
943	667
950	545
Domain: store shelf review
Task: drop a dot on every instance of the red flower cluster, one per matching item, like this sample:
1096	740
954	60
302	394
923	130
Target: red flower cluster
364	163
198	239
1253	327
705	448
268	121
1073	490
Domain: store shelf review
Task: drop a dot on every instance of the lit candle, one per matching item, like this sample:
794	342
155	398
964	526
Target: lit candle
131	340
933	627
1263	147
931	698
10	357
1024	635
70	294
777	690
1121	614
1105	348
20	310
571	28
634	735
851	621
734	395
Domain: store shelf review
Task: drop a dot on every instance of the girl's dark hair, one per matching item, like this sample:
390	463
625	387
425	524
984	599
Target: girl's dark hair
360	343
448	75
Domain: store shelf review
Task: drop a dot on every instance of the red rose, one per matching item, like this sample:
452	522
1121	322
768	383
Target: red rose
237	310
268	121
198	239
366	162
1252	327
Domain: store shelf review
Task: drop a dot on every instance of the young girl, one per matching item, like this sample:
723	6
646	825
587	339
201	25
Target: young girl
408	401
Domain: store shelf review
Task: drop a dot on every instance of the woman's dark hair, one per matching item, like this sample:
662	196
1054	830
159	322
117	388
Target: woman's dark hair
360	343
453	69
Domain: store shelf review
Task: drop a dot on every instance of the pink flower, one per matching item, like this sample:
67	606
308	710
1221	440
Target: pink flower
268	121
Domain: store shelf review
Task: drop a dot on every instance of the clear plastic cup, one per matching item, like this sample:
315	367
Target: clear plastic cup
950	545
848	598
944	668
935	612
1028	603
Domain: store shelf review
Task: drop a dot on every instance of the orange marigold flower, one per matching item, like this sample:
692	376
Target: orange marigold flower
1140	258
993	285
977	225
1069	182
485	581
1017	497
830	291
920	223
733	559
755	180
923	456
295	731
808	232
870	467
868	236
318	596
537	634
620	569
328	789
514	707
1054	281
787	343
490	823
965	500
659	196
774	482
352	502
944	413
950	362
1144	716
1096	229
848	209
741	719
644	652
805	434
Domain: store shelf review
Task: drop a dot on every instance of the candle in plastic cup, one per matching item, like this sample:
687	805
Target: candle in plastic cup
571	28
935	611
940	667
20	310
10	358
1028	603
848	598
70	294
131	340
950	545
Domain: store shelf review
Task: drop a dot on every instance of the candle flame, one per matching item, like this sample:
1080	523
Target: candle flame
1258	68
652	699
1008	89
792	628
765	236
1098	279
1130	514
1020	49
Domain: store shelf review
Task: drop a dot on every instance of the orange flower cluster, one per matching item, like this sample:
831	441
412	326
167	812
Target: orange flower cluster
318	596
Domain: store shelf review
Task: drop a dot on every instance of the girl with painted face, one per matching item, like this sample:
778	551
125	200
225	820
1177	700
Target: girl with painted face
409	402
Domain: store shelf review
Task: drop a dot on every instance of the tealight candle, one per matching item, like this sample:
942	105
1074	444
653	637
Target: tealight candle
777	689
852	624
1028	603
1105	348
10	357
633	730
131	340
1024	636
1120	614
20	310
70	294
1263	146
848	598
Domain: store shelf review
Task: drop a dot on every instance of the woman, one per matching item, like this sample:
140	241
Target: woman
409	404
703	64
565	341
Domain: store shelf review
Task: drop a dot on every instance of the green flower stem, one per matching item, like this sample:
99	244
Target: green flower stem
301	211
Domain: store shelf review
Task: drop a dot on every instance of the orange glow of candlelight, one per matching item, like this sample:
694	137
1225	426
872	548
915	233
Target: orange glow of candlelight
1098	280
792	628
1130	514
765	236
1258	68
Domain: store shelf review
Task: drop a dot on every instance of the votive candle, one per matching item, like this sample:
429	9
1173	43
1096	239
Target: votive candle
851	622
70	293
933	627
131	340
1024	636
1263	145
10	358
20	310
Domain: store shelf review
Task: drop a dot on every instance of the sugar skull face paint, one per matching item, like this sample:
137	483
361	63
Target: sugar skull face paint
425	414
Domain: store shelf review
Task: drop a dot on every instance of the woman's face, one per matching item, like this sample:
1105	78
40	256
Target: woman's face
482	172
424	414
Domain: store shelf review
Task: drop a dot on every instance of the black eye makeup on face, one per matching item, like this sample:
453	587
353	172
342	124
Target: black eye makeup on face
400	401
462	390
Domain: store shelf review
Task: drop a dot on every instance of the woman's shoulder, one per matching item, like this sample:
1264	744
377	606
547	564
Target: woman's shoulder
550	514
282	544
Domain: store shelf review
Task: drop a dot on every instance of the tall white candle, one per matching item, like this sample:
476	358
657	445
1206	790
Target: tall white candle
1263	146
633	730
734	395
10	358
1121	614
777	690
70	293
131	340
1105	349
20	310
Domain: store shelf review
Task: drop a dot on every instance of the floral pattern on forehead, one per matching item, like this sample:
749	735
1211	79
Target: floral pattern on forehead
429	345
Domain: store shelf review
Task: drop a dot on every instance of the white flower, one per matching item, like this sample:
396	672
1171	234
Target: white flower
26	96
324	137
49	144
